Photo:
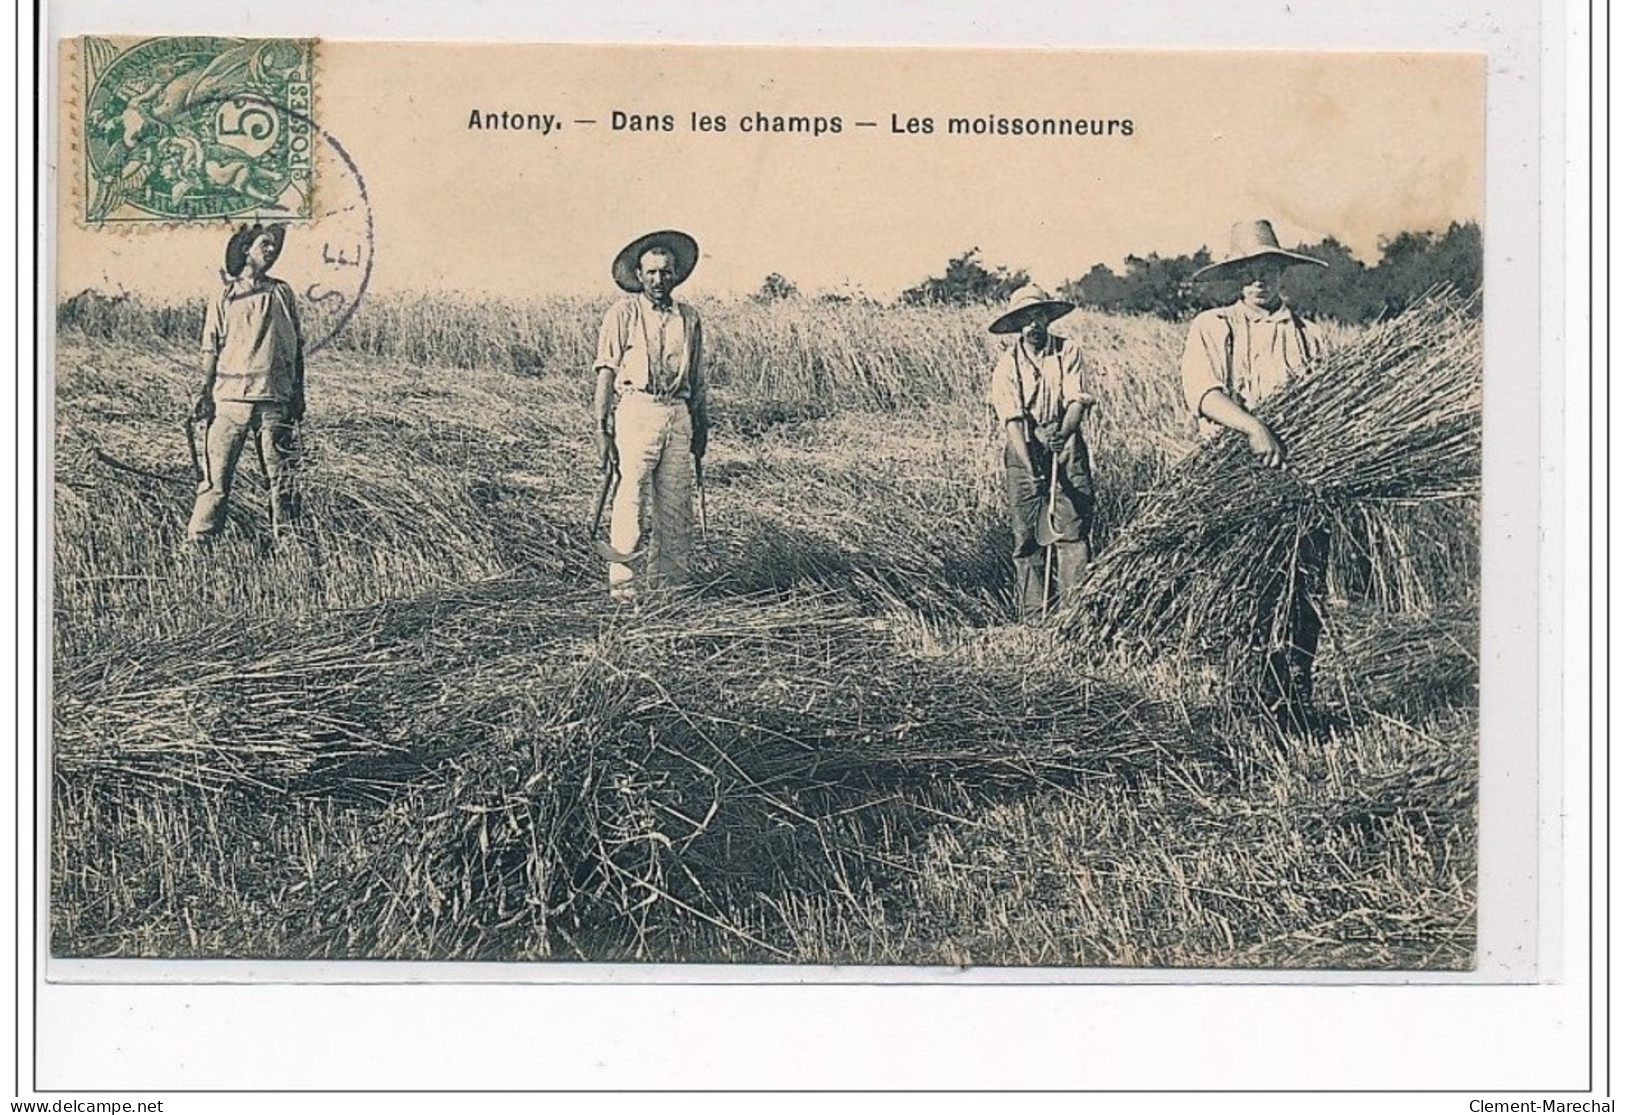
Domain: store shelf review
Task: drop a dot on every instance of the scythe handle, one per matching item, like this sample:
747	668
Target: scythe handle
699	482
200	458
612	479
191	447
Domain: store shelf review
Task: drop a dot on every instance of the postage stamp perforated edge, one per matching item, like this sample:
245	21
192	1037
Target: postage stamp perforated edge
72	179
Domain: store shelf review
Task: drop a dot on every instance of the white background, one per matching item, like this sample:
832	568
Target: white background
1533	1037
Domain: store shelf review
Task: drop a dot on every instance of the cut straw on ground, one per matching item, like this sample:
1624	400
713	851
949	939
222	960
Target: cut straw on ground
421	730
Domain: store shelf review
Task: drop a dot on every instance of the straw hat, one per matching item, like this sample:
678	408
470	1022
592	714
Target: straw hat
1026	302
243	239
1250	240
685	253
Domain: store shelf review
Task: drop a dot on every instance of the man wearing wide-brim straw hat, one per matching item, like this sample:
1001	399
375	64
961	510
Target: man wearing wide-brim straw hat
1038	393
1236	356
650	409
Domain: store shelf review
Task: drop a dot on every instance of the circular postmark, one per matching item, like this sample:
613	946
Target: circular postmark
194	128
328	258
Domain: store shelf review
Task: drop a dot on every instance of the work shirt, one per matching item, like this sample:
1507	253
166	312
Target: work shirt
1038	387
251	328
653	350
1247	353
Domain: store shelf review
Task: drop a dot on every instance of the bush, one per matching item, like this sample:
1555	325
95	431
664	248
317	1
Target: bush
966	281
776	288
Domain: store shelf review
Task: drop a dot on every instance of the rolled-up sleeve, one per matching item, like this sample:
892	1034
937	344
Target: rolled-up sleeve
1206	358
612	338
1002	393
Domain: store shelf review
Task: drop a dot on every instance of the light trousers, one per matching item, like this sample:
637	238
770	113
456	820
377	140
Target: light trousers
233	425
654	505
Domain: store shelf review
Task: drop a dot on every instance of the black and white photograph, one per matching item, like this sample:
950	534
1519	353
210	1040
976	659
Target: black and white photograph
676	505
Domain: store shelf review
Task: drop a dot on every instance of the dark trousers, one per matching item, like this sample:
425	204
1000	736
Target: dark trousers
1050	535
1286	632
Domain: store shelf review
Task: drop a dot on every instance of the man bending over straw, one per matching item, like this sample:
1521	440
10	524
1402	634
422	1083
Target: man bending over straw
1038	397
649	371
1236	356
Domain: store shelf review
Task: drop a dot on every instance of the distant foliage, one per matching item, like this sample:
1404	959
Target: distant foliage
1415	262
1346	290
776	288
966	281
1151	284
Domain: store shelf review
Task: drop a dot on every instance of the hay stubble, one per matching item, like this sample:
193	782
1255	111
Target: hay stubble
420	731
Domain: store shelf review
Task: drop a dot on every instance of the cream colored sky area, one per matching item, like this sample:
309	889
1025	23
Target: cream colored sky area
1356	146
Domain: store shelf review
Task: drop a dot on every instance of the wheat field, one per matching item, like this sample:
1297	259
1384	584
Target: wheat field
420	730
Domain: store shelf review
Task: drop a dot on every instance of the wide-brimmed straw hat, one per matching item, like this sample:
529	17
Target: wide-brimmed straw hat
685	253
1250	240
243	239
1027	302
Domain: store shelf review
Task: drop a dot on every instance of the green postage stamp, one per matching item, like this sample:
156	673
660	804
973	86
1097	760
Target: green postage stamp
197	128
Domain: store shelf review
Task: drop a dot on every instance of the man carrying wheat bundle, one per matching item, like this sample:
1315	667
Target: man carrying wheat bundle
253	381
1038	397
1236	356
650	410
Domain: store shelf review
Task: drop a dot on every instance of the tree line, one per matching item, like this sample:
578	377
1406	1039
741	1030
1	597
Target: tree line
1347	289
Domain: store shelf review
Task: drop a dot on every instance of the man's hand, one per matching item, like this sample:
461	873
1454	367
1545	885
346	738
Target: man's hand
203	407
607	458
1261	441
1054	439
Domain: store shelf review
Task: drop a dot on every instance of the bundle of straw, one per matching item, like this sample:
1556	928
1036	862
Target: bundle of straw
1410	664
376	695
687	764
214	714
558	759
1383	424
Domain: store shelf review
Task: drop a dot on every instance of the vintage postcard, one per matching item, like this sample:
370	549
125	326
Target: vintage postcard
779	506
